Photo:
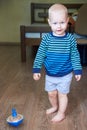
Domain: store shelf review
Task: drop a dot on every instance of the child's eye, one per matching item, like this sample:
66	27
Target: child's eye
55	23
62	22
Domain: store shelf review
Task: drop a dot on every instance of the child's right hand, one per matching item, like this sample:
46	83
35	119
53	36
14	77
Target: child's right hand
36	76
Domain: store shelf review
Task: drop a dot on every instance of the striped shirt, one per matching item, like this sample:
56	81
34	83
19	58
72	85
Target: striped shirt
59	55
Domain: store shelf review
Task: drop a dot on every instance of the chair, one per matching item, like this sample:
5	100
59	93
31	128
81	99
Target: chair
81	29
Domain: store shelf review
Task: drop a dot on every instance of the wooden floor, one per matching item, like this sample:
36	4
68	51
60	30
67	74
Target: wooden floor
19	90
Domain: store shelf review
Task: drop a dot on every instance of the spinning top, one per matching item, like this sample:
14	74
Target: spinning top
15	119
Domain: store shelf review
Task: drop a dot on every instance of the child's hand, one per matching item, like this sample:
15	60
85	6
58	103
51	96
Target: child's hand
36	76
78	77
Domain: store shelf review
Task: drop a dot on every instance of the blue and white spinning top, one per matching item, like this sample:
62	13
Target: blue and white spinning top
15	119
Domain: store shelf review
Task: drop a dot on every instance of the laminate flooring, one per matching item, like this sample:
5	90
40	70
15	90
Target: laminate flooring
19	90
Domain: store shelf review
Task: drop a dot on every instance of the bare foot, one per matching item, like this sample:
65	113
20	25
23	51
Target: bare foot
59	117
51	110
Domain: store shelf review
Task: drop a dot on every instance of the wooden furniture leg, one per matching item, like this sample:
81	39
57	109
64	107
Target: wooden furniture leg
23	46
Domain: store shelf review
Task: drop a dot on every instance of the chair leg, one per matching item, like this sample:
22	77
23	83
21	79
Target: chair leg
23	52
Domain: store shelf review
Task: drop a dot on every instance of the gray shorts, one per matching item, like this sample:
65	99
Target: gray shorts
62	84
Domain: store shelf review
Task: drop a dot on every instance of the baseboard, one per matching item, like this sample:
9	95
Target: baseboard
9	43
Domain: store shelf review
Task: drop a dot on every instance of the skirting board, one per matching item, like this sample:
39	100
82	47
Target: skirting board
9	43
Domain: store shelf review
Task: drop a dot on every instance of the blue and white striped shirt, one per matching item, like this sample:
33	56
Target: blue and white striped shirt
58	54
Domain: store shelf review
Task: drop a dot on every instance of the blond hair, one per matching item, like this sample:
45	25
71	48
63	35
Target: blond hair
57	8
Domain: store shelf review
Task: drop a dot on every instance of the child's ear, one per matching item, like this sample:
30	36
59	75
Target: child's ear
49	22
67	19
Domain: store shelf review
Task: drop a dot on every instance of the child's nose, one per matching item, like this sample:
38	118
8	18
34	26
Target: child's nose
58	25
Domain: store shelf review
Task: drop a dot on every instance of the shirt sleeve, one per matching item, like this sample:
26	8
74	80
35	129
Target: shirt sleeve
40	56
75	57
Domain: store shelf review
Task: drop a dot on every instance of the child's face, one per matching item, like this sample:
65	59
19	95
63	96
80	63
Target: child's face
58	22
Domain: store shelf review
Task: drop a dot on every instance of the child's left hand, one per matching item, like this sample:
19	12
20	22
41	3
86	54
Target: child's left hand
77	77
